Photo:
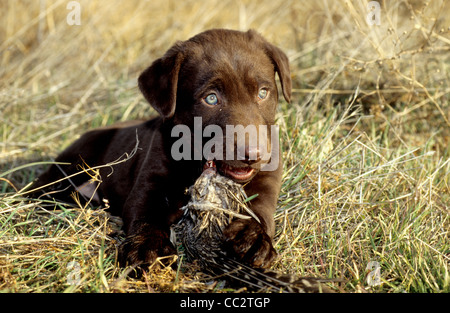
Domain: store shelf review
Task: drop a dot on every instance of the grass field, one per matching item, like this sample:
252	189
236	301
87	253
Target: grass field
366	186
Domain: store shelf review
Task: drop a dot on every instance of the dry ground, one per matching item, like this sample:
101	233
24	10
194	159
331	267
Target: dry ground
366	137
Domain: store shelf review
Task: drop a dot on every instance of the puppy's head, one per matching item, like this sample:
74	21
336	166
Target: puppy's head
228	79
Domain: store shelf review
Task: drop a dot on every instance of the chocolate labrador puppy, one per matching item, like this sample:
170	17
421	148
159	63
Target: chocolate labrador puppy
218	79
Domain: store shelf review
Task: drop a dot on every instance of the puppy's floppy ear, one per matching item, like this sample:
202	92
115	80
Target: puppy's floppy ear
280	62
158	83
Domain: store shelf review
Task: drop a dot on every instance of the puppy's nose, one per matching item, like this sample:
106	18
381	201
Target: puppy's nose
252	154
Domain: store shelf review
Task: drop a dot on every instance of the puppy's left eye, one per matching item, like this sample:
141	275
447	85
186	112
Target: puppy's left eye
211	99
262	94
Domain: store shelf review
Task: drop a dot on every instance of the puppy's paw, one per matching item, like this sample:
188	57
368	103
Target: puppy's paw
142	248
249	243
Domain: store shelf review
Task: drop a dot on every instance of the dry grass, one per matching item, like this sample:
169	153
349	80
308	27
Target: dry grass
365	139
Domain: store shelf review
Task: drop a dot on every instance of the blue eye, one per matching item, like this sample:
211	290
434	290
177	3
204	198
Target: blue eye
262	94
211	99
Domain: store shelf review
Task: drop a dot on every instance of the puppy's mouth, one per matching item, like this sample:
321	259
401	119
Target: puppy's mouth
238	174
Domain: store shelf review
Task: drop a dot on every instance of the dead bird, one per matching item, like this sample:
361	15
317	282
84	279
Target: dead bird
198	236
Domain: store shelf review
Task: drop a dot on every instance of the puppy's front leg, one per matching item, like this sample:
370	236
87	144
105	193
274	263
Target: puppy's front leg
146	222
144	245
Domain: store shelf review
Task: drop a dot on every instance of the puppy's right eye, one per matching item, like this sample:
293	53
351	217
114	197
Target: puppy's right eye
211	99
